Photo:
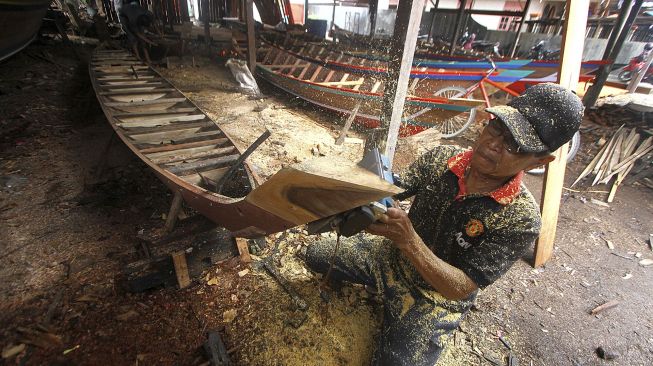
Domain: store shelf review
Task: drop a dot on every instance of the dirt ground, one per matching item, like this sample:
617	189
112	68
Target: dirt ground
71	209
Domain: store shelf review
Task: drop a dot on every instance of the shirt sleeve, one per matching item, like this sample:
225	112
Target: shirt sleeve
489	260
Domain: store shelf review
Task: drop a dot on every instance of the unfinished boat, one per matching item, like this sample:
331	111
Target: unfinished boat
343	91
196	159
20	21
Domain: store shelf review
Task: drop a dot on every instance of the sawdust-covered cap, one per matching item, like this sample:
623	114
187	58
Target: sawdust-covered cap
543	118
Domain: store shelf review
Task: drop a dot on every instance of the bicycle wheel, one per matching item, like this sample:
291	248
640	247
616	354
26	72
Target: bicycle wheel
455	125
574	145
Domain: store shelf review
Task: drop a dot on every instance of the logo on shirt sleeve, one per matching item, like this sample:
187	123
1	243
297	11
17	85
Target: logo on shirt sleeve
474	228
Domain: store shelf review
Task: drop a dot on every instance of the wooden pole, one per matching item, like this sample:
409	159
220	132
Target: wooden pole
183	8
617	28
432	27
595	90
333	16
175	207
251	36
207	26
373	10
634	83
305	12
402	51
456	30
521	24
571	54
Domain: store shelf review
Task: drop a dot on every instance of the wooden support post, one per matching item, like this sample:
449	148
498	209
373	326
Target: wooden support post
402	51
595	90
305	12
456	30
571	53
175	207
521	24
181	268
373	10
350	120
634	83
207	27
183	8
251	36
333	17
432	27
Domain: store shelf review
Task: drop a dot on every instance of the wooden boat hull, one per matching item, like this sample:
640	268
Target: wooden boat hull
20	21
419	113
182	146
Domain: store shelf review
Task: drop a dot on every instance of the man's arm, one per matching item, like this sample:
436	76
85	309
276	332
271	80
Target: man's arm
448	280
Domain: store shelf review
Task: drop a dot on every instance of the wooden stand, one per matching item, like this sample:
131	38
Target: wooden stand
175	208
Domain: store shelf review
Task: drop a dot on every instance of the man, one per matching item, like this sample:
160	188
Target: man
470	220
134	19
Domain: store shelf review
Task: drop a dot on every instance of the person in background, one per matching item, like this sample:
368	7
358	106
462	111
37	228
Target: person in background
135	19
470	42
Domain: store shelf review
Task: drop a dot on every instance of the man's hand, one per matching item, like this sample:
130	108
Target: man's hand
396	226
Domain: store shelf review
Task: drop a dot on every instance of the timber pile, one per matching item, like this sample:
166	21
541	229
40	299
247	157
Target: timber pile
617	158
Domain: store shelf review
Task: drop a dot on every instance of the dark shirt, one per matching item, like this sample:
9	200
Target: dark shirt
483	235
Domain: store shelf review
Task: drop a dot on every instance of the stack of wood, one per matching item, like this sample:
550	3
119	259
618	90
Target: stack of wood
616	159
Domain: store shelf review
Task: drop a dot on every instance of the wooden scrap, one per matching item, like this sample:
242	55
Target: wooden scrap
243	250
608	305
646	262
181	268
599	202
11	350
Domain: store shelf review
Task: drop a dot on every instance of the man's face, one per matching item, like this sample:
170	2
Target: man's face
496	153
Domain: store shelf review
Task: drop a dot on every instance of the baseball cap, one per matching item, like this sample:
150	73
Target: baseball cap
543	118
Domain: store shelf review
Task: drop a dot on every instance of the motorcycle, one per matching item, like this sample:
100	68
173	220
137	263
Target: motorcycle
539	52
636	63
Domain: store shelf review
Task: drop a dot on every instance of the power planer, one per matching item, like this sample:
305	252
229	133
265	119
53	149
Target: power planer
352	222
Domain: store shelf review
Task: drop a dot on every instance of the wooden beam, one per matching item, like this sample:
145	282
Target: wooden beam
251	36
432	27
456	28
595	90
519	28
402	51
571	54
373	10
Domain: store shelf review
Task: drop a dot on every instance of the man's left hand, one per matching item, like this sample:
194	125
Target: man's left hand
396	226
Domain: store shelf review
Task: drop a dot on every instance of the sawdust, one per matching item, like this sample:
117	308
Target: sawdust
296	136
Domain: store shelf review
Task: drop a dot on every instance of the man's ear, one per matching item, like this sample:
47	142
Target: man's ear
540	161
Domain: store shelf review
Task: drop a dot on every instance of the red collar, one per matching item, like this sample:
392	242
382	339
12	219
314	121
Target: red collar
458	164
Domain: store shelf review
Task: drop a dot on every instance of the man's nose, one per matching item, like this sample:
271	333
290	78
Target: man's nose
496	143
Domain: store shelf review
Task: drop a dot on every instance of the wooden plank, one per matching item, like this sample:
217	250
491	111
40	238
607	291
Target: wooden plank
173	147
198	166
136	92
181	268
144	102
157	121
156	113
319	188
137	87
179	135
175	208
179	126
243	250
213	152
571	56
341	83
